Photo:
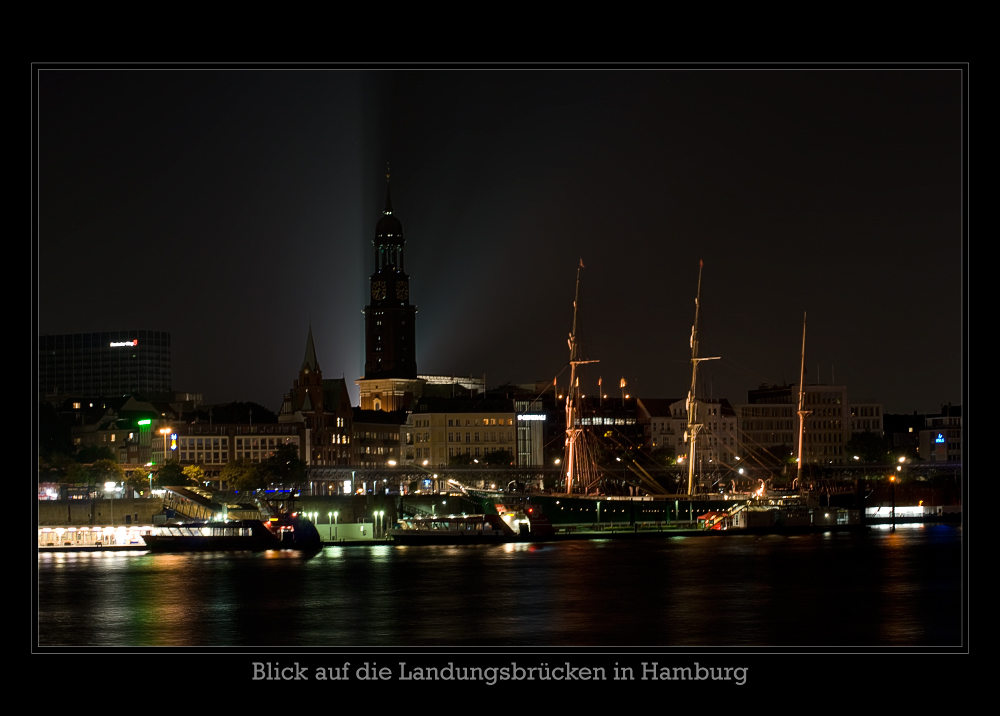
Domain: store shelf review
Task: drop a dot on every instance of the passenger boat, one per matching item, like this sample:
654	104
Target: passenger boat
466	529
283	532
451	529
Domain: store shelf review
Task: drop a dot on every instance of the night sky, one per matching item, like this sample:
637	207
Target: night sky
234	207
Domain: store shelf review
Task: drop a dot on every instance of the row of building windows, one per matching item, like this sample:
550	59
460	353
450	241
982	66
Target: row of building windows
379	450
457	423
605	421
487	437
217	443
210	458
376	436
753	412
767	425
474	452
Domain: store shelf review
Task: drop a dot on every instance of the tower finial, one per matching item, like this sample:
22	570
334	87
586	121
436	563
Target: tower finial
388	199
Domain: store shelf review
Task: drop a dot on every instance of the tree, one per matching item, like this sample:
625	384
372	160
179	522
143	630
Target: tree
869	447
55	468
283	466
138	480
170	474
93	453
107	471
79	474
663	457
460	460
500	457
243	475
194	473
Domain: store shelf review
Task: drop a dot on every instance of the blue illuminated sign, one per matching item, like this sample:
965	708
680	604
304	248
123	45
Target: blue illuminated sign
939	438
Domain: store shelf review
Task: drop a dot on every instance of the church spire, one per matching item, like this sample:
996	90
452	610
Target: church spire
310	362
388	199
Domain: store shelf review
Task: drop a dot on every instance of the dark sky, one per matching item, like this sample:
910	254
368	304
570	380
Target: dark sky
232	207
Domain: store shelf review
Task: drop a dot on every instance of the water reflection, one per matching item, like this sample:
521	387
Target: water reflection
877	587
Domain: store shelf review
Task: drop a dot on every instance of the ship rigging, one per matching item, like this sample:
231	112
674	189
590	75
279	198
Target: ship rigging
694	425
579	465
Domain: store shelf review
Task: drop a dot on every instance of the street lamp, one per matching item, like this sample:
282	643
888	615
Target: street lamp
892	482
165	432
110	487
329	525
335	526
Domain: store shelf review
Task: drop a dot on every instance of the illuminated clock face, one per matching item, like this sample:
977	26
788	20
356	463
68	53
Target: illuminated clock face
378	290
402	290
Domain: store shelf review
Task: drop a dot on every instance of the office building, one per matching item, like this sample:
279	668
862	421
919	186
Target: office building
105	364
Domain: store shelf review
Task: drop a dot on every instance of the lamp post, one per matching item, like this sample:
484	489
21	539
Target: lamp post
892	483
329	525
110	487
164	432
335	534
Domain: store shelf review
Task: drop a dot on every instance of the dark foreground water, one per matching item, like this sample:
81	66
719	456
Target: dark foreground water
878	588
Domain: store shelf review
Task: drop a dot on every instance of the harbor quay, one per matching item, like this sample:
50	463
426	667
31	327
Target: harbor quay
121	523
73	524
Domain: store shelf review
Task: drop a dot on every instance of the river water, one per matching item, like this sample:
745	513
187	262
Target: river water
868	589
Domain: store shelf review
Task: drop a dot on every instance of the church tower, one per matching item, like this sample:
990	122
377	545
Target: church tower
390	381
323	406
308	389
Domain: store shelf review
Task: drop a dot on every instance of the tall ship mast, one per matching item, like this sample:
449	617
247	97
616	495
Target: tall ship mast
694	424
803	413
575	448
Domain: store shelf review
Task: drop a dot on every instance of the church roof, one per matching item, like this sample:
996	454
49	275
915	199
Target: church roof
334	389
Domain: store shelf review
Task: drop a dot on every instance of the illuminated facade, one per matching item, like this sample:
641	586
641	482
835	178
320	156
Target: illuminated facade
439	430
212	446
111	363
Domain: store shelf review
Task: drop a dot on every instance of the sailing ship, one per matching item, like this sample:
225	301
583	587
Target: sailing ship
583	503
582	500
